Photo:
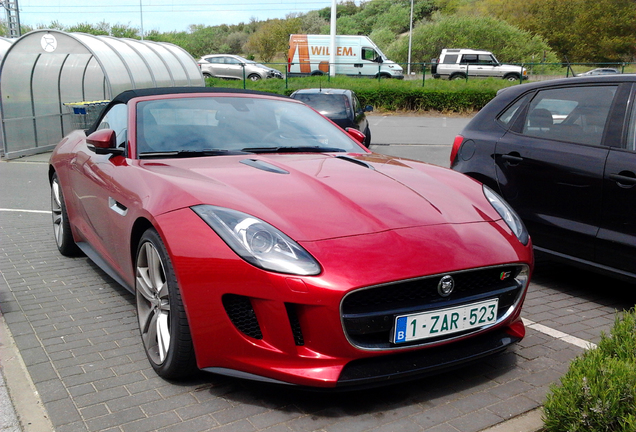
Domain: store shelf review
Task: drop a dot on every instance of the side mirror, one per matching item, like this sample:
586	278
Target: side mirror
104	141
368	108
356	135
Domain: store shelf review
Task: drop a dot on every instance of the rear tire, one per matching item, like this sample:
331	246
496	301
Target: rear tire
367	139
61	225
457	77
162	319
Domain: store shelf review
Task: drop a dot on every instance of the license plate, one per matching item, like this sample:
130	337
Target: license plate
445	321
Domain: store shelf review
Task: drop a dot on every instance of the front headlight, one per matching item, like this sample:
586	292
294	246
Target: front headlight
507	214
257	242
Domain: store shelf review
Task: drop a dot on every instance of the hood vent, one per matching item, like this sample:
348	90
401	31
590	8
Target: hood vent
356	161
265	166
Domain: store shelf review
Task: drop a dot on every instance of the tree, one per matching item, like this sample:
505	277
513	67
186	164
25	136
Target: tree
235	42
273	37
507	42
124	31
312	23
581	30
86	28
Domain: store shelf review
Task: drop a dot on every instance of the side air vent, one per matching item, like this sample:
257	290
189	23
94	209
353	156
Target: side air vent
295	324
241	313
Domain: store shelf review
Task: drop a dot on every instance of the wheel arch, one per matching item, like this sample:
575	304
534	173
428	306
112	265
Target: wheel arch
50	174
140	226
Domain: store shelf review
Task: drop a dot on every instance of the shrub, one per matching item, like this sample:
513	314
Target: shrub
508	43
598	393
391	95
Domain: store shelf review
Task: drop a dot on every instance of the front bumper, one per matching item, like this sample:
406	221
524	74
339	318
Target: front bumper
395	368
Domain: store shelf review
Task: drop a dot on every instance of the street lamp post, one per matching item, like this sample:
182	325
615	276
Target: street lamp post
141	15
332	44
408	66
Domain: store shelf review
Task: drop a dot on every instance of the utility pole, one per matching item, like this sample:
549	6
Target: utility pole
13	17
332	44
408	67
141	14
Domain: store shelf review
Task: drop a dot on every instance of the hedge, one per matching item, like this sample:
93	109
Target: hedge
388	94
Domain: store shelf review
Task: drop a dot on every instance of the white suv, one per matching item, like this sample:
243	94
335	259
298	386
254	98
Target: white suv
460	63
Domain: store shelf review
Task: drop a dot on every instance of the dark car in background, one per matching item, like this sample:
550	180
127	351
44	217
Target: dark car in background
340	106
563	154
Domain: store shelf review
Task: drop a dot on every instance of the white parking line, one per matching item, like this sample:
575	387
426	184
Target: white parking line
559	335
26	211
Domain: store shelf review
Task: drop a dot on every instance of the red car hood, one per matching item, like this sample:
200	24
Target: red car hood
321	196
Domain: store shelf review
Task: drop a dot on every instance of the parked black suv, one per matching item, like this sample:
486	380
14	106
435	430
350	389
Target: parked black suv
563	154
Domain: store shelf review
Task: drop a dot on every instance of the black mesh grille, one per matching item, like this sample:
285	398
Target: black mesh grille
241	313
369	314
295	324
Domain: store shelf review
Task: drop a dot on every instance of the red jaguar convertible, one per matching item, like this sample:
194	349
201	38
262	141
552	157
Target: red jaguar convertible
264	242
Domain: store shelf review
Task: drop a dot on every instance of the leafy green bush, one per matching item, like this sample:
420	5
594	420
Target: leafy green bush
390	95
598	393
508	43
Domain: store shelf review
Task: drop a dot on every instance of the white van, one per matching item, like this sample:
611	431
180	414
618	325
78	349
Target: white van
459	63
355	56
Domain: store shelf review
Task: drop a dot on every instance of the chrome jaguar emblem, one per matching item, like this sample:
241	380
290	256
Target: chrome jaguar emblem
446	286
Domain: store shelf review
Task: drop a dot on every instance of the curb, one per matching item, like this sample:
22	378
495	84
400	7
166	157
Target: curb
29	409
530	421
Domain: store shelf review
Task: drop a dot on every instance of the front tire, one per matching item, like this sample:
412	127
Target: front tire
512	77
162	320
61	225
254	77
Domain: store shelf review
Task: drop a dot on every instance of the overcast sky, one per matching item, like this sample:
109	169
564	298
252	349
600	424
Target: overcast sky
161	15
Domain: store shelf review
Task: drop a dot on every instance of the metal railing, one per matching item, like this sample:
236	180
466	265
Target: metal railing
422	71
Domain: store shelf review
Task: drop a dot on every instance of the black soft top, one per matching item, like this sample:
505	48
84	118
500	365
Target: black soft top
127	95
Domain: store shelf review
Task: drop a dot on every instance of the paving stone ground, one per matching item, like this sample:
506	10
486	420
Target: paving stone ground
77	333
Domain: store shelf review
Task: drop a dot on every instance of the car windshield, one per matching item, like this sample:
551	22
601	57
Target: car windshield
335	106
223	125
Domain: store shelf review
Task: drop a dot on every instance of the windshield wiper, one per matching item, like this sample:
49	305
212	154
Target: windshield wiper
192	153
293	149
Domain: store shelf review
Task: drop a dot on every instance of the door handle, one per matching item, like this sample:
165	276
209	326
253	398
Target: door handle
512	158
624	178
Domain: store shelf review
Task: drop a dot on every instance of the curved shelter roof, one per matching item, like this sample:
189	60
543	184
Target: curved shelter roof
45	69
5	43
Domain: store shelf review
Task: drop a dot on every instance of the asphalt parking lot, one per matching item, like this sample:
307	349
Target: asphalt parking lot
76	333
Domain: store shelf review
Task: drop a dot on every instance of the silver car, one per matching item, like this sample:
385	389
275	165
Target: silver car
600	71
235	67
